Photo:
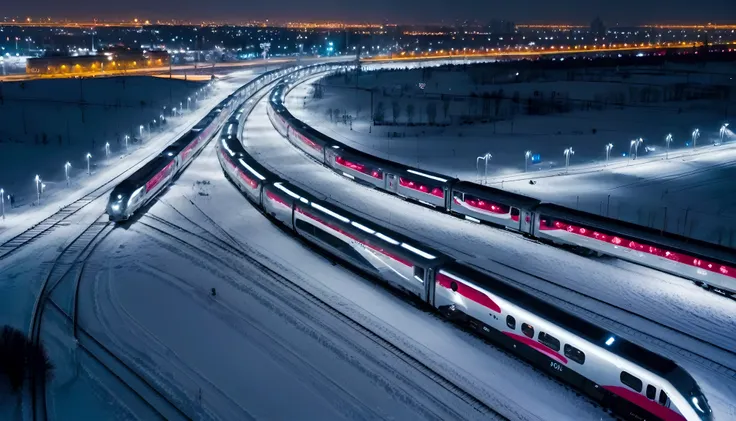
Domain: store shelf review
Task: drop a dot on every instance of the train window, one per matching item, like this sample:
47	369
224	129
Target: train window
527	329
574	354
511	322
549	341
515	212
662	398
419	273
631	381
651	392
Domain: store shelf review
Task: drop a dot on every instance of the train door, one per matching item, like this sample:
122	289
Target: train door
526	221
429	286
391	182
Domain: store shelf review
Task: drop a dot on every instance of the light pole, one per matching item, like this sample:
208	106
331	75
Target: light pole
141	130
568	152
66	172
43	186
668	140
634	148
487	157
2	201
38	190
89	155
527	154
126	142
189	105
696	135
107	150
173	111
608	152
723	131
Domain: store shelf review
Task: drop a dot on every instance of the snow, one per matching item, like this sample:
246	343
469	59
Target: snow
635	195
57	194
710	317
255	343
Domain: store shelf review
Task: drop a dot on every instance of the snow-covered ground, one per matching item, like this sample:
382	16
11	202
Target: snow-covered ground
650	294
650	191
254	345
56	193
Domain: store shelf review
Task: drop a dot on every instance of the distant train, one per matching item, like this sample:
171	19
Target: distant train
632	381
708	265
147	182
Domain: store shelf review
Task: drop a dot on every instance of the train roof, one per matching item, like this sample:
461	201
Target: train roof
488	192
675	242
145	173
234	148
179	144
572	323
374	234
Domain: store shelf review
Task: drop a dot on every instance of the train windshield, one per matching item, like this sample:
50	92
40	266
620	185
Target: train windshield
700	403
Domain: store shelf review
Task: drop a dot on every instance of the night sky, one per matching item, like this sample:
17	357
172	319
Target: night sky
397	11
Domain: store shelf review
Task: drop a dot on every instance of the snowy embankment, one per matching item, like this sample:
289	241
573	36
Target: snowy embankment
709	317
650	191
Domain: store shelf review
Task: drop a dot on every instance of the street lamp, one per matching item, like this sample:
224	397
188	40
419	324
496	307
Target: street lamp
487	157
696	135
107	150
189	106
634	148
608	152
89	155
568	152
141	131
38	190
668	140
723	131
173	111
43	186
66	172
126	142
527	154
2	201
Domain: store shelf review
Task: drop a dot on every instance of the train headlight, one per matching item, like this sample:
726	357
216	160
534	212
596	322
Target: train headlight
115	207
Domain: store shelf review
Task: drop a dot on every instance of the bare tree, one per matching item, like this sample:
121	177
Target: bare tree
396	110
431	112
410	113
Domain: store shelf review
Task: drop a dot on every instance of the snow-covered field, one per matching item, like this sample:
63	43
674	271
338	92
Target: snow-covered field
46	123
57	194
638	191
542	268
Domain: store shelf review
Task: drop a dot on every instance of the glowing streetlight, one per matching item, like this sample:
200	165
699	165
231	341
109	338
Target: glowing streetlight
189	106
634	148
668	140
173	111
608	152
66	172
696	135
126	142
38	189
89	155
568	152
2	201
107	150
527	155
723	131
43	186
487	157
141	131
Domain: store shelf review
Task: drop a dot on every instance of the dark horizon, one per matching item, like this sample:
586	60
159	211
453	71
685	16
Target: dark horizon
427	12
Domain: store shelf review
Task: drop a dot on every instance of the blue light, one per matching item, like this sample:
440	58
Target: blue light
610	341
536	157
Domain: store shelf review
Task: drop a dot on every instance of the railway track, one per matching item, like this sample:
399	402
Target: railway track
69	259
59	217
232	247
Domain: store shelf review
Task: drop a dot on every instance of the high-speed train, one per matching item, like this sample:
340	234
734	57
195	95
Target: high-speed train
142	186
708	265
634	382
